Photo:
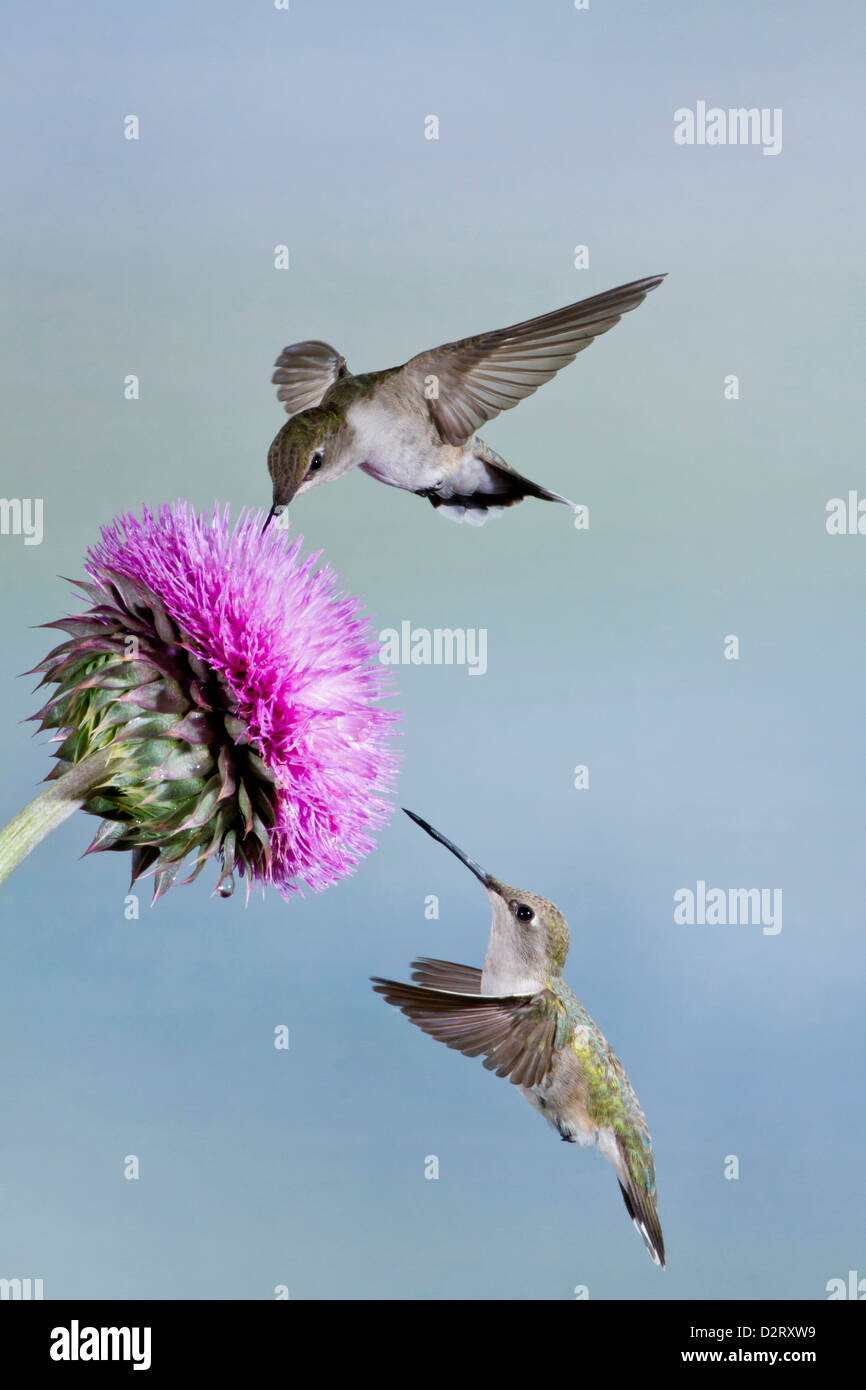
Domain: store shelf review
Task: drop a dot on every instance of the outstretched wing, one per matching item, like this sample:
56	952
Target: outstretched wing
515	1034
478	377
445	974
304	372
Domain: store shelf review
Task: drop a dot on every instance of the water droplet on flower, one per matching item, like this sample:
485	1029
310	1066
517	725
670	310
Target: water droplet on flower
227	887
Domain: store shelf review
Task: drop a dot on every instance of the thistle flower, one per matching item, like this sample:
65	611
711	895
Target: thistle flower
218	699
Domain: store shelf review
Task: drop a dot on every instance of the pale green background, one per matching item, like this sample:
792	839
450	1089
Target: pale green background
155	1037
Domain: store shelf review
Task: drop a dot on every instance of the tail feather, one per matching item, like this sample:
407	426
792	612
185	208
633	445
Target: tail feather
641	1208
483	485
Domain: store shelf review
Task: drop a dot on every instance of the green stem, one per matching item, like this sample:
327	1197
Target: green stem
49	809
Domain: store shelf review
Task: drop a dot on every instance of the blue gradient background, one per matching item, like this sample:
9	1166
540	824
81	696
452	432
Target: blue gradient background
155	1037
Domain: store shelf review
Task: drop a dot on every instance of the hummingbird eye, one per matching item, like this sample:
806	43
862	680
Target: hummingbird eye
523	912
315	462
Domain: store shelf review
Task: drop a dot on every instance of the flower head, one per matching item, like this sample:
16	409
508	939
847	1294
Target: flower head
238	693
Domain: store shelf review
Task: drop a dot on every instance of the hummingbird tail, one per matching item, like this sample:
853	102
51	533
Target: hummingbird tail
484	485
642	1210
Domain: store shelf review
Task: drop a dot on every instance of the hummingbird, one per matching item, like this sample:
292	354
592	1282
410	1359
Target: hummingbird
519	1015
413	426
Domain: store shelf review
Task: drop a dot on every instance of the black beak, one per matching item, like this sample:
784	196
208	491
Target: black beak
481	874
275	511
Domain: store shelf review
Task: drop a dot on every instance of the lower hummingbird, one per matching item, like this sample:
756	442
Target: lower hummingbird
413	426
519	1015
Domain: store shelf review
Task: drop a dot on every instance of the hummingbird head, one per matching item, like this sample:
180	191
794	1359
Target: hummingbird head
303	454
529	935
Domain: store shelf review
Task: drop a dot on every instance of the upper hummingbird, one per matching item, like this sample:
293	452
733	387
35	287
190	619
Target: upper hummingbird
414	426
519	1015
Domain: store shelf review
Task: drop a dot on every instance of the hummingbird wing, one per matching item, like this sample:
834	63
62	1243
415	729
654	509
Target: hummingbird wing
444	974
476	378
516	1034
304	372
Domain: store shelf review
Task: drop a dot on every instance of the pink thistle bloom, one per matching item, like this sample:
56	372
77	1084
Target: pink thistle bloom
228	697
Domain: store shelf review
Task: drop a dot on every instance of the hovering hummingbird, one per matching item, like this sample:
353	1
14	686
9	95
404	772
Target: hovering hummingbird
414	426
519	1015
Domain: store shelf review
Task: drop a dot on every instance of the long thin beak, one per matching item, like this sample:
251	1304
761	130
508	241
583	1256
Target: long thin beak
271	514
481	874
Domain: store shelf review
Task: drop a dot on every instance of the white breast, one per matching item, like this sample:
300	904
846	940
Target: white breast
394	446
